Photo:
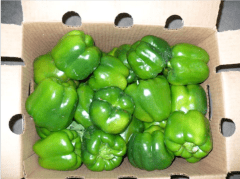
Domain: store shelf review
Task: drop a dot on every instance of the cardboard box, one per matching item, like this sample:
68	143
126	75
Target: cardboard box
42	28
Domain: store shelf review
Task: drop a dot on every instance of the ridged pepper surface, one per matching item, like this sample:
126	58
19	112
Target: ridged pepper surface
134	126
85	96
102	151
152	99
111	110
188	65
189	97
76	55
147	150
149	56
121	53
60	150
110	72
188	135
52	104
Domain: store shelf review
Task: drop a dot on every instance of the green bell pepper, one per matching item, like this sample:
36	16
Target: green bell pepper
188	135
121	54
134	126
161	124
111	110
147	150
60	150
188	65
110	72
189	97
76	55
74	126
149	56
152	99
85	96
102	151
52	104
44	67
42	132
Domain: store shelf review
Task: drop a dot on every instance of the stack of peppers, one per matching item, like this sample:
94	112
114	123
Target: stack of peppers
141	101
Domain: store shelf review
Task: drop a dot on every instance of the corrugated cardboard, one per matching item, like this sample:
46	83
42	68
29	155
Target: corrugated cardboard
42	28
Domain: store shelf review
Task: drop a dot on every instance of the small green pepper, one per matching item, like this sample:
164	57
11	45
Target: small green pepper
76	55
189	97
110	72
52	104
149	56
102	151
188	135
111	110
60	150
152	99
188	65
147	150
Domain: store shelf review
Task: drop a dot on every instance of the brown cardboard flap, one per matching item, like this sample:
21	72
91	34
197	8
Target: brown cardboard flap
11	40
229	54
11	150
193	13
231	88
229	45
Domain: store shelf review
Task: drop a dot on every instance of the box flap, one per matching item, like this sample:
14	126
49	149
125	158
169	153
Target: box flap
11	40
11	149
229	53
193	13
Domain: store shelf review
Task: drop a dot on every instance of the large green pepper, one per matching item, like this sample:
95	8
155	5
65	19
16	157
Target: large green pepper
85	96
149	56
59	151
102	151
111	110
188	135
152	99
147	150
52	104
110	72
76	55
121	54
188	65
135	126
189	97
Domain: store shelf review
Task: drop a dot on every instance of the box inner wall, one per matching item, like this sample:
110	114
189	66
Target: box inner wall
39	38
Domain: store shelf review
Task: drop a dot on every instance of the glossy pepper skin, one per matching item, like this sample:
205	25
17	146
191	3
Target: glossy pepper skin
161	124
134	127
85	96
76	55
121	54
188	135
111	110
189	97
44	67
60	150
52	104
188	65
110	72
147	150
149	56
152	99
74	126
102	151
